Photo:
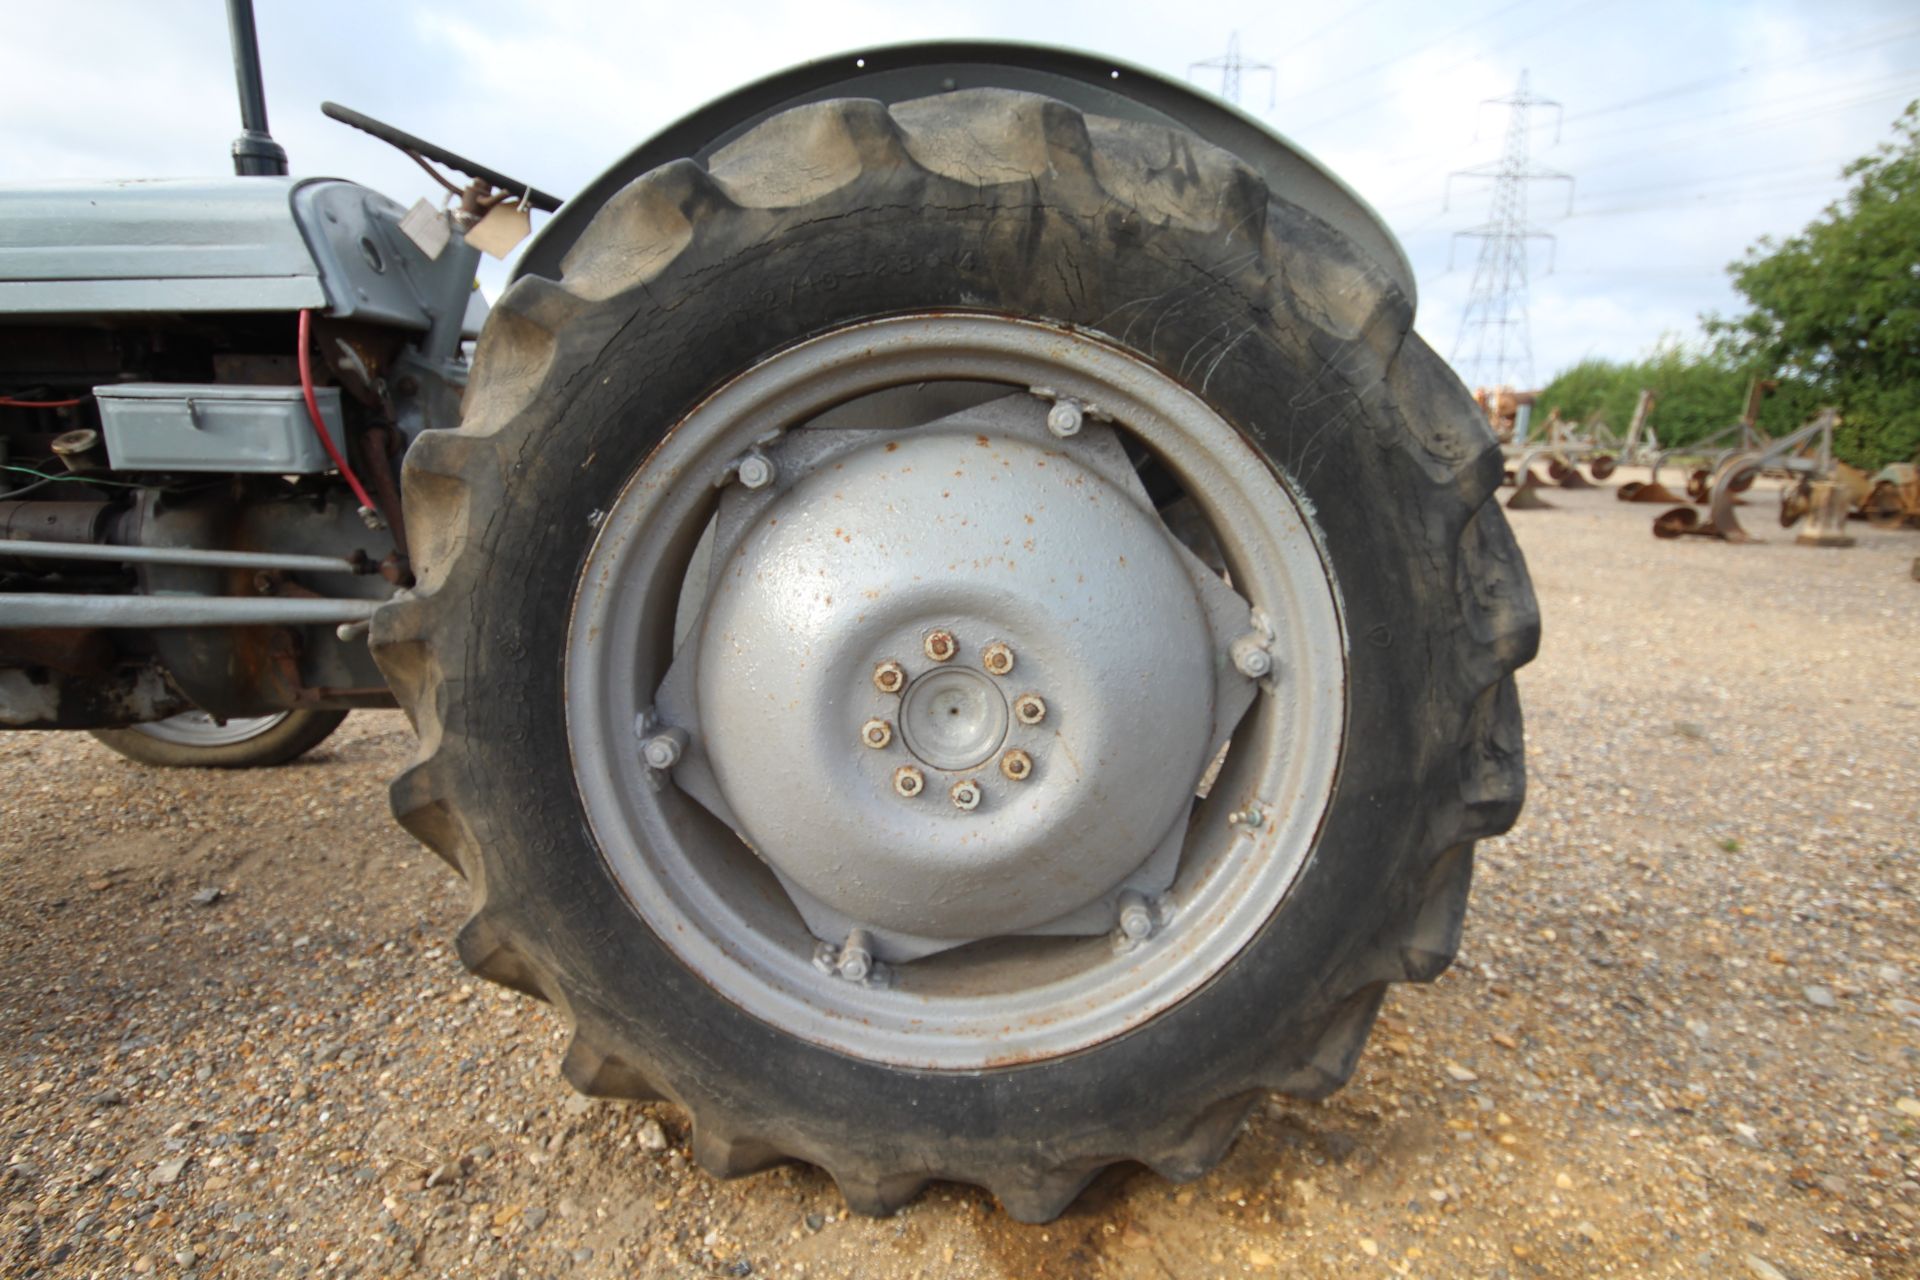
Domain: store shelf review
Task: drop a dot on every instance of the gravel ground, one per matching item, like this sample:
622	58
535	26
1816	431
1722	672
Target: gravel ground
1683	1038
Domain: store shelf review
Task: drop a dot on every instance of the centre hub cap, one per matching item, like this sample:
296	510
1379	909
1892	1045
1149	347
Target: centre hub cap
953	718
930	700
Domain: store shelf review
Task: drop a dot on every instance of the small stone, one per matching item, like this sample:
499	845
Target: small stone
1459	1074
106	1098
142	1265
183	1257
168	1172
534	1217
1908	1107
1587	1231
445	1174
1563	1182
815	1222
1748	1135
1832	1184
1761	1269
481	1153
578	1104
1369	1248
1259	1259
1888	973
650	1135
1688	729
1904	1008
1821	997
583	1255
1698	1029
207	897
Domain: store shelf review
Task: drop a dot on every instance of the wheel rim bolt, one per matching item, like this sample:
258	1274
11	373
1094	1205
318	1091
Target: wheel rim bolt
941	646
663	750
1030	708
965	795
1064	419
856	956
876	733
908	782
997	658
1251	658
1017	765
889	677
756	471
1136	916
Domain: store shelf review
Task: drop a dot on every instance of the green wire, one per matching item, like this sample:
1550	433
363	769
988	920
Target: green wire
122	484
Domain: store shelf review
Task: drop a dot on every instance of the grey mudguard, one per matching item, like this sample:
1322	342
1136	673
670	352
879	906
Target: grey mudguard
1100	86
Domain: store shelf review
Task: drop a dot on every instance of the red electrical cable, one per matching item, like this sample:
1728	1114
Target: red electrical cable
313	413
11	403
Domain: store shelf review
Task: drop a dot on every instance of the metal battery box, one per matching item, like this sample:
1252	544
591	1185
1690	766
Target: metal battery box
179	426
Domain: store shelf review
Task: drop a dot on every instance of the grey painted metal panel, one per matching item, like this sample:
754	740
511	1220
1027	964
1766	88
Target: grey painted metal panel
180	426
373	273
168	244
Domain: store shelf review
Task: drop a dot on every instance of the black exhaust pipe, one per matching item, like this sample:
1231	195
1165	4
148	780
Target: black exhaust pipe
255	153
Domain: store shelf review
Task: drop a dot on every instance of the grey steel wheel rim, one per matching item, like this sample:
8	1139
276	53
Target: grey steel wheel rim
198	729
742	921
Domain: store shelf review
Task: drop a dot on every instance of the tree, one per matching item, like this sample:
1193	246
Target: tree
1836	309
1698	391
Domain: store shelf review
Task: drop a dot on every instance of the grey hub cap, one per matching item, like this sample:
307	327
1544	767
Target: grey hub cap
198	729
950	702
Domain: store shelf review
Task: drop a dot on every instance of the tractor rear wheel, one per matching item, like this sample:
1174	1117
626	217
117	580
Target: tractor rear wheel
960	640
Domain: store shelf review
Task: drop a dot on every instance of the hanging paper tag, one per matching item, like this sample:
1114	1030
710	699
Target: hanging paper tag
427	227
505	226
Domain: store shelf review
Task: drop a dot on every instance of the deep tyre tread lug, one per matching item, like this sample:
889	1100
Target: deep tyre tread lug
1045	1197
1337	1049
727	1156
638	232
599	1074
1204	1142
878	1196
1430	944
490	952
420	804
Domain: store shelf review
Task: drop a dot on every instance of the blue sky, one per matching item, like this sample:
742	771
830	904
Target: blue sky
1692	129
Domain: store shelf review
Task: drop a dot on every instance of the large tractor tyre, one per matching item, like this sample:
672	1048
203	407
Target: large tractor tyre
835	606
195	740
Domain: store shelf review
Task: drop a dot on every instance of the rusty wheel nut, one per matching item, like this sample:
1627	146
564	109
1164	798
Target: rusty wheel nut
1029	708
965	795
941	646
876	733
908	782
1017	765
997	658
889	677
